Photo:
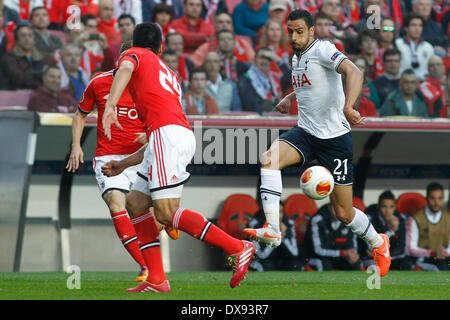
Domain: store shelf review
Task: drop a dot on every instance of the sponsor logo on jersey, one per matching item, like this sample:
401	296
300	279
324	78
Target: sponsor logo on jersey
335	55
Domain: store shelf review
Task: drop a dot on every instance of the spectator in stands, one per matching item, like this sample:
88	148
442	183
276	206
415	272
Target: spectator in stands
195	30
257	88
174	41
386	36
6	44
249	16
386	219
45	42
341	27
284	257
322	24
223	91
243	49
389	80
196	100
170	57
433	88
212	8
22	8
273	36
278	10
129	7
74	79
126	24
149	5
329	244
107	24
414	50
368	43
233	66
432	31
162	15
429	232
49	97
363	104
405	101
23	65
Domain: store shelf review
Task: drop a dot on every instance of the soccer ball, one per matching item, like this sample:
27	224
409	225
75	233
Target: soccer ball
317	182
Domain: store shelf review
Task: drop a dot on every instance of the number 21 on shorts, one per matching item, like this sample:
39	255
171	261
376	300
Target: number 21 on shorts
340	170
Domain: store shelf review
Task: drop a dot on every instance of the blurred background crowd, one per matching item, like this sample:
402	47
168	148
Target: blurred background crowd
231	56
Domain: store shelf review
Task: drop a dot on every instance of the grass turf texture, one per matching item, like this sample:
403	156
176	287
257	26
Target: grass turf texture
343	285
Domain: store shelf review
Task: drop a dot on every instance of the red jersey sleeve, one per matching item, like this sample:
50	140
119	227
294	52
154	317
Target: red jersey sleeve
131	56
88	99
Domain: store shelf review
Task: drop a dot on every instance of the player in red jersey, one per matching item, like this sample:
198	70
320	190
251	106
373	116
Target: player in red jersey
157	94
122	144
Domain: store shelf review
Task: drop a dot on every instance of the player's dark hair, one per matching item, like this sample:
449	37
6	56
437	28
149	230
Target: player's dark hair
433	186
147	35
386	195
391	52
366	33
410	17
301	14
36	9
197	70
127	16
161	7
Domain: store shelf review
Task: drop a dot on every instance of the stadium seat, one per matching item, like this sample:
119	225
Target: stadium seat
359	203
14	98
236	213
410	202
300	208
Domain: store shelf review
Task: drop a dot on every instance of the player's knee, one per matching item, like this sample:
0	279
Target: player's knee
267	161
343	214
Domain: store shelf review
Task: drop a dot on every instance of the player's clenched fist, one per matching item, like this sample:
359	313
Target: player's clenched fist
284	105
112	168
353	116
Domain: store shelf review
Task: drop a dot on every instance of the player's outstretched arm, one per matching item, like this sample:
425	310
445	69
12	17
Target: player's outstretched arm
113	168
120	82
76	155
353	86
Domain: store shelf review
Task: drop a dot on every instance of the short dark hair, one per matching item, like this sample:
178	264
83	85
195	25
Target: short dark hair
197	70
386	195
391	52
126	16
320	15
172	34
366	33
48	67
433	186
161	7
301	14
408	72
410	17
36	9
20	26
86	17
147	35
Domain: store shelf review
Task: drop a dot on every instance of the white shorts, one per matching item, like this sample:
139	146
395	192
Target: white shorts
163	171
122	182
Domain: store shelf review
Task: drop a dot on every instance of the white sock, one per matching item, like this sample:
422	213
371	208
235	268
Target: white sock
365	230
271	187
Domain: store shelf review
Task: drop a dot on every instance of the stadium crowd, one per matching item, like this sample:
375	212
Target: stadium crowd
231	56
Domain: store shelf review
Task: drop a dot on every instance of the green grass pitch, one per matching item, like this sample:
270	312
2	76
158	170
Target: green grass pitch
341	285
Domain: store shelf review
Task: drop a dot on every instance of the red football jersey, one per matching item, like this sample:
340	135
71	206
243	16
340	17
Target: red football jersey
155	90
96	94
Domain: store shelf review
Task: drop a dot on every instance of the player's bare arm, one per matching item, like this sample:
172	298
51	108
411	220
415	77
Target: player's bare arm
114	167
121	79
353	86
285	104
76	155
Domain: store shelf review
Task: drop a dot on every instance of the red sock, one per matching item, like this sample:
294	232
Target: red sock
127	235
148	235
199	227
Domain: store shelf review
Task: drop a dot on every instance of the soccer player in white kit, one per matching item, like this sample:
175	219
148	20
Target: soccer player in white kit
323	132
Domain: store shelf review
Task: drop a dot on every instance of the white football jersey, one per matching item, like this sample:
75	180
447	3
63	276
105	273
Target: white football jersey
319	91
